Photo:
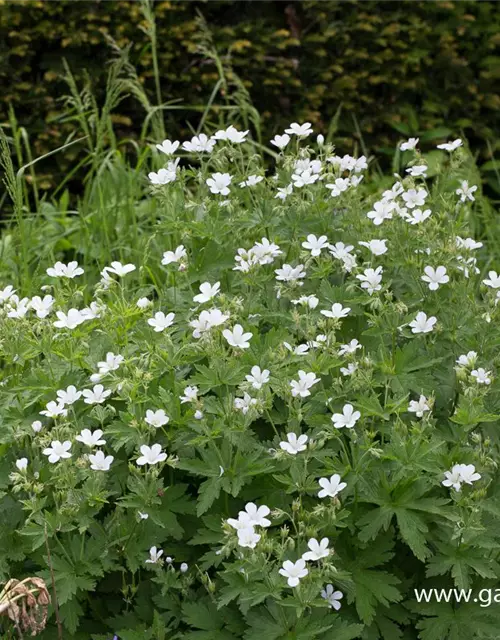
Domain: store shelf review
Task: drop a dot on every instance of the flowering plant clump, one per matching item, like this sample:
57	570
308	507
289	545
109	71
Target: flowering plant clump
276	419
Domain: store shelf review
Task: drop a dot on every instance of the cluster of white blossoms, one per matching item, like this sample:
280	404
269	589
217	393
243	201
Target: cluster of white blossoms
253	516
156	557
256	516
262	253
460	473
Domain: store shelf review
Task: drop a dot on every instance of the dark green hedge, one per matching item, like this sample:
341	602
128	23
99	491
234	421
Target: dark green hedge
392	65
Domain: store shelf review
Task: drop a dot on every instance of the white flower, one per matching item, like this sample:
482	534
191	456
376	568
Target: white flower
97	395
417	216
207	292
294	571
465	192
350	347
304	164
60	270
143	303
481	375
37	426
417	171
435	277
239	524
338	186
377	247
308	301
341	251
154	555
290	274
231	134
467	360
295	444
160	322
99	461
318	550
248	538
347	418
184	567
190	395
493	280
91	439
302	179
301	386
42	306
58	450
422	324
251	181
258	377
156	418
244	404
300	350
68	396
281	141
95	310
6	293
237	337
151	455
468	473
371	279
206	321
163	176
71	320
349	370
315	245
219	183
329	594
106	280
284	192
300	130
381	211
54	409
418	407
414	198
453	478
112	363
467	243
199	144
18	308
22	464
337	311
450	146
255	516
174	256
392	193
120	269
168	147
143	516
331	487
409	145
198	415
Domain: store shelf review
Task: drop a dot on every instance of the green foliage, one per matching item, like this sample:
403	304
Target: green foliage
369	71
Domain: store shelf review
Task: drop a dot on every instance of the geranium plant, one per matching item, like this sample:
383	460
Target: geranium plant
277	419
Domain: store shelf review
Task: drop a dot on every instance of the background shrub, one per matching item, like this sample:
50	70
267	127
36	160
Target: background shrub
383	68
